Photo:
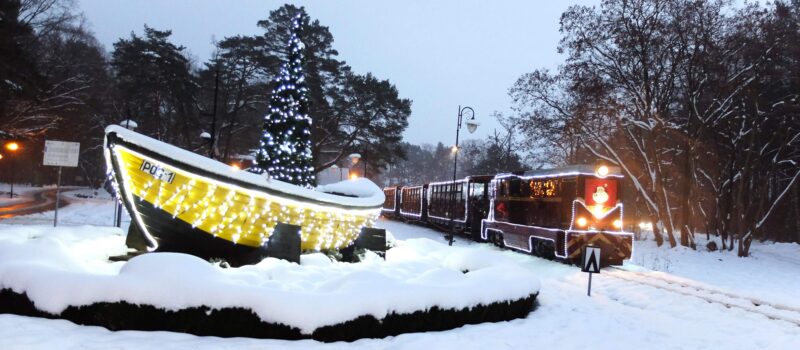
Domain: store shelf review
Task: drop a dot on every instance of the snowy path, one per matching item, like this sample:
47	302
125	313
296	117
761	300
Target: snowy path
35	201
621	314
772	311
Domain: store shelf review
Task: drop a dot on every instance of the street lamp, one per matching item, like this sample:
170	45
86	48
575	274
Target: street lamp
207	139
354	158
472	125
12	147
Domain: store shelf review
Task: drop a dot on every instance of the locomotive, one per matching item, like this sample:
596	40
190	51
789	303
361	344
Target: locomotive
552	213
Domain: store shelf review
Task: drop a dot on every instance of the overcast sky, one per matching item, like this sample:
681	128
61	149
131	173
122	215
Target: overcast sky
440	54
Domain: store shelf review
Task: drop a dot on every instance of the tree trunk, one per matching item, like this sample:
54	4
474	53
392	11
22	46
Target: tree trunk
796	204
657	230
686	227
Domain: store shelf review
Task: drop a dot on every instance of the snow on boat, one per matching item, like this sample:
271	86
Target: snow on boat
183	202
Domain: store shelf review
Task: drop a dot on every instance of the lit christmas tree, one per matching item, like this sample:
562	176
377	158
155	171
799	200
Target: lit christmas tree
285	152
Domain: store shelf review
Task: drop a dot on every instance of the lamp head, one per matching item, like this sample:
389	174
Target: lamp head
354	158
472	125
129	124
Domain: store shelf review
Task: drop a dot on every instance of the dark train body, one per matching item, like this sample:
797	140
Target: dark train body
551	213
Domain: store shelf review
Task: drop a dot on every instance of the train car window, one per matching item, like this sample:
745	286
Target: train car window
477	190
388	203
524	189
411	200
514	187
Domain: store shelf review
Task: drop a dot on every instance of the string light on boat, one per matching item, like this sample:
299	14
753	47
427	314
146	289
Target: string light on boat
235	213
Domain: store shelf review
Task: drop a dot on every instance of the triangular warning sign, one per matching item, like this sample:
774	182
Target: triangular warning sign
591	260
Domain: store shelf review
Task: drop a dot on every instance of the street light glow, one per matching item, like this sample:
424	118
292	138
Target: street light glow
12	146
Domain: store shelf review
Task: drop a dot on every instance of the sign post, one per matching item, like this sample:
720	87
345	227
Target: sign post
60	154
590	262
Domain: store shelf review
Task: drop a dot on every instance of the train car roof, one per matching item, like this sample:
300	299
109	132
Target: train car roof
571	170
480	177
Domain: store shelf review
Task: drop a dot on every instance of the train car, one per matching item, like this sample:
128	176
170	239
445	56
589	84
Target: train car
390	204
467	198
554	213
413	204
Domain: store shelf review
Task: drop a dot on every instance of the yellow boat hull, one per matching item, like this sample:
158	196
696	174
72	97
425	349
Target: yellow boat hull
173	203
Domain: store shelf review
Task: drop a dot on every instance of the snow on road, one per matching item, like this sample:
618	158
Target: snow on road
620	314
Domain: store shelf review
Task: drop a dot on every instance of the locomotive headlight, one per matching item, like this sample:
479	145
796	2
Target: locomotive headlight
617	223
581	222
601	171
597	210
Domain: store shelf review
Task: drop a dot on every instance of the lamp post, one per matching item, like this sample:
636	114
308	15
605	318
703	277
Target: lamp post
472	125
206	137
12	147
354	159
214	115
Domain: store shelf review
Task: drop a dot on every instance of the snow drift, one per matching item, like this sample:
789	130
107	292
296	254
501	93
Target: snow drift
60	271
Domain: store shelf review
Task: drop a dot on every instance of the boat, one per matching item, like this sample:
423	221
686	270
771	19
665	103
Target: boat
180	201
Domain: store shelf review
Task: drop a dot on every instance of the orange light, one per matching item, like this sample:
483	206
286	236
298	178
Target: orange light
617	223
353	176
235	167
602	171
581	222
12	146
1	156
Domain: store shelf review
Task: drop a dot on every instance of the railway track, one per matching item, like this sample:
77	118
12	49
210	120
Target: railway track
765	308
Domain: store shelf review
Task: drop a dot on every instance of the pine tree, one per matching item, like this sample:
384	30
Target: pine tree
285	152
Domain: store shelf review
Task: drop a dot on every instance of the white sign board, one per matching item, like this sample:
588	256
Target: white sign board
60	153
591	260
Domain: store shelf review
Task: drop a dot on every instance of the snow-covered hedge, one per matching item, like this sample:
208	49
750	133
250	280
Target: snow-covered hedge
422	285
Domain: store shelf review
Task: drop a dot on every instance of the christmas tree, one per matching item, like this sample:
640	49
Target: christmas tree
285	152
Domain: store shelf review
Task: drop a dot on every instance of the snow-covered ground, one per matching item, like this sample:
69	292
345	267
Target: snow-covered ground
771	273
21	193
416	275
620	314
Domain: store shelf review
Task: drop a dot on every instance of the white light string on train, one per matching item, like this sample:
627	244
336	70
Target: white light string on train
544	176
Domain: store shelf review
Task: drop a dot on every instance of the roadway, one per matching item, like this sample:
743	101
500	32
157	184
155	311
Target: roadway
36	202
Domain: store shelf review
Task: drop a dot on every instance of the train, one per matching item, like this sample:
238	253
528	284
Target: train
552	213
